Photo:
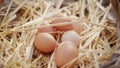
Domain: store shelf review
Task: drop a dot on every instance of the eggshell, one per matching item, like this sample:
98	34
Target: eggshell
71	36
61	19
65	52
45	42
78	27
48	29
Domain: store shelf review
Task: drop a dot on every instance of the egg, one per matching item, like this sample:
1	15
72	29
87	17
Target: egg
47	29
61	19
78	27
45	42
65	52
71	36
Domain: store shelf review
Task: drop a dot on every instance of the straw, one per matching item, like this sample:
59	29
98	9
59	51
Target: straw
98	42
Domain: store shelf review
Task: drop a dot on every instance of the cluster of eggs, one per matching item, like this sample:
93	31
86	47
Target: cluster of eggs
67	49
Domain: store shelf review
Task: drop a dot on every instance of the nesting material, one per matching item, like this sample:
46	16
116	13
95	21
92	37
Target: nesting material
22	19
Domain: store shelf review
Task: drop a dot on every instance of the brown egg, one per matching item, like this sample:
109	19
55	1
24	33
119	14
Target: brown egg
48	29
45	42
78	27
65	52
71	36
61	19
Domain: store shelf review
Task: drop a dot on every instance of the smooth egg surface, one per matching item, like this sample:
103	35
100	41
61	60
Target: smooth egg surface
61	19
71	36
47	29
65	52
78	27
45	42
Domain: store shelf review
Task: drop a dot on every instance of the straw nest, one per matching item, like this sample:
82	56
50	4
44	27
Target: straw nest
21	19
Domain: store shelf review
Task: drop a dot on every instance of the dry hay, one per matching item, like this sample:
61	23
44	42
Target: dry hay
21	19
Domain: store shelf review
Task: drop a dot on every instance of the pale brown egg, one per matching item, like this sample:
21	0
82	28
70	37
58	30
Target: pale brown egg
45	42
61	19
71	36
78	27
47	29
65	52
